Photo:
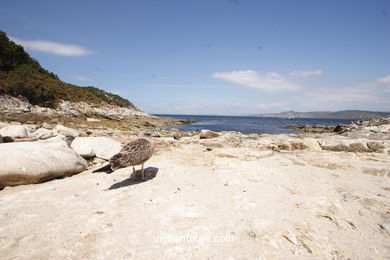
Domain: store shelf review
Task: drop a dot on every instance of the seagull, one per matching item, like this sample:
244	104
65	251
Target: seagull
135	152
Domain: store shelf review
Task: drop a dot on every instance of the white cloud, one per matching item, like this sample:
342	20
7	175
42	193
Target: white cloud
249	78
56	48
81	78
305	73
363	95
384	80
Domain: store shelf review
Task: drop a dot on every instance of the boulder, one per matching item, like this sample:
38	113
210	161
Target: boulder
101	147
43	133
207	134
34	162
14	131
59	140
230	138
2	125
68	132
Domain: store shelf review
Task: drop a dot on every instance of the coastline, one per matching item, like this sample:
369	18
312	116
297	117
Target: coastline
280	195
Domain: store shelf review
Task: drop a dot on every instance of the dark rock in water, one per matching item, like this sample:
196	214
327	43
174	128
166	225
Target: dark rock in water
339	129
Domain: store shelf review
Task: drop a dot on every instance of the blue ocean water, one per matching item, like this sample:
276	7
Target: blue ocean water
249	125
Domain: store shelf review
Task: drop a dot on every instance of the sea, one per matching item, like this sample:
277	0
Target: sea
249	124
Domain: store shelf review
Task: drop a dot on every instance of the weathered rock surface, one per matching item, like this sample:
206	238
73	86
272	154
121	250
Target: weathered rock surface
101	147
43	133
306	196
68	132
20	105
231	201
207	134
34	162
312	128
378	129
14	131
10	104
2	125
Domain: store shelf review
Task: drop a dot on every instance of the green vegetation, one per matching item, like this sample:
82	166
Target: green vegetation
21	75
109	97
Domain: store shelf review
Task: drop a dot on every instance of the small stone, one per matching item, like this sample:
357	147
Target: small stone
252	234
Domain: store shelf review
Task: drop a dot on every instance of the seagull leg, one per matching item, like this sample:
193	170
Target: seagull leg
133	170
142	171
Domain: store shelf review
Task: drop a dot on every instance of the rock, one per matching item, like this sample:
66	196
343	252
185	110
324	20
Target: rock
344	145
2	125
177	136
207	134
47	125
298	145
14	131
7	139
34	162
90	119
65	107
230	138
312	128
68	132
311	143
377	129
43	133
101	147
376	146
339	129
212	143
14	105
60	140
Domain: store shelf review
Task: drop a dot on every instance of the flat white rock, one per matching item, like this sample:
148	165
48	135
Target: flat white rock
34	162
101	147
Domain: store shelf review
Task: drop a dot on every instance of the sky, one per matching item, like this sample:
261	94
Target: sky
215	57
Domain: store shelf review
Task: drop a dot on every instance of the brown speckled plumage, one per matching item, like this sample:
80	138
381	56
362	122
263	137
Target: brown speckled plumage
133	153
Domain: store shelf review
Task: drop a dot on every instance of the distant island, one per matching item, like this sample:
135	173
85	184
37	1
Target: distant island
343	114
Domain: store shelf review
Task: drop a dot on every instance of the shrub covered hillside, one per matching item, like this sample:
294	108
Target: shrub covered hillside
21	75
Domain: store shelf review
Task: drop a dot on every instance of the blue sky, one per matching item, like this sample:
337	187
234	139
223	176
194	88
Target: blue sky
214	56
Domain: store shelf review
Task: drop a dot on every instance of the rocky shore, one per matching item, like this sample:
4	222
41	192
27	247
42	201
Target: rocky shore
210	195
371	129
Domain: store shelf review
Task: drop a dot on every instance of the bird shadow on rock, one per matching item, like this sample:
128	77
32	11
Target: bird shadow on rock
105	168
135	178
